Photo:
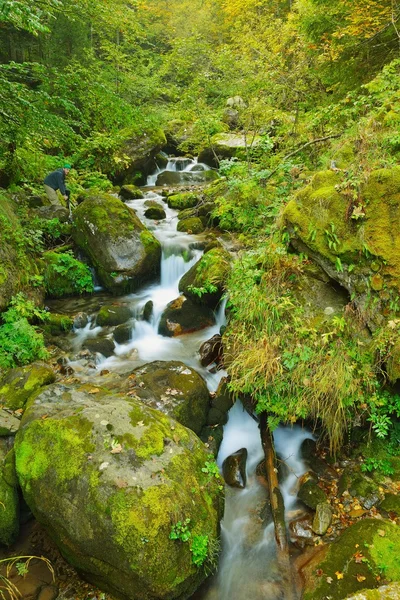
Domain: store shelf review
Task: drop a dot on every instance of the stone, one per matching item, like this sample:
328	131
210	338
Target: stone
9	508
216	417
234	469
322	518
211	351
148	311
311	494
384	592
183	200
391	504
300	531
208	276
223	399
155	212
57	324
136	156
193	225
171	178
53	211
373	542
9	424
183	316
227	145
20	383
108	478
124	253
359	486
131	192
175	389
113	314
122	334
103	346
80	320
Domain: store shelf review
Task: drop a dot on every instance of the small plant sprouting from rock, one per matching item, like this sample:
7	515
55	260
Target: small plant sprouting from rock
180	531
199	544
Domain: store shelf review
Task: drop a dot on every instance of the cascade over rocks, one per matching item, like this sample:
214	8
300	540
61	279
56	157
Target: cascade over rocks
123	251
174	389
182	316
108	478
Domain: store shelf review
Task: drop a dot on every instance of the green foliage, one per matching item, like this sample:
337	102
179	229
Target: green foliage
180	531
65	275
376	464
199	544
199	549
20	342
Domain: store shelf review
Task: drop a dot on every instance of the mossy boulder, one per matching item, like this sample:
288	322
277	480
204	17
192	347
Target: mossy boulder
176	390
131	192
17	267
184	316
9	507
205	281
193	225
391	504
352	241
154	211
113	314
227	145
137	156
109	478
9	424
359	486
57	324
183	201
352	562
311	494
100	345
384	592
20	383
124	253
186	177
122	334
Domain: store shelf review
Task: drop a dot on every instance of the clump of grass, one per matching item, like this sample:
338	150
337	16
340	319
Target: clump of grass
8	590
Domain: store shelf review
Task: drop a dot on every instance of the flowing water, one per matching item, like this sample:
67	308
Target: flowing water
248	567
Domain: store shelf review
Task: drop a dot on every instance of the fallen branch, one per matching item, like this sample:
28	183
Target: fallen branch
316	141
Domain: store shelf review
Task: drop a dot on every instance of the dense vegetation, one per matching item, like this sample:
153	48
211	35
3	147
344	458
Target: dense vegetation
319	87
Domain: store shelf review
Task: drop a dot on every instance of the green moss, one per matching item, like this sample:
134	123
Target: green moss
150	243
192	225
385	552
60	444
19	383
58	324
183	200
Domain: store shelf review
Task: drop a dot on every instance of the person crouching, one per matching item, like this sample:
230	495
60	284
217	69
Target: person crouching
56	181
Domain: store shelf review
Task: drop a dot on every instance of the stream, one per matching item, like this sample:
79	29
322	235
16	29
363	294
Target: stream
248	566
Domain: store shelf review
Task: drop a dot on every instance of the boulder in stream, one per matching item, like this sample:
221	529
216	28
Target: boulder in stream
175	389
234	469
100	345
131	192
113	314
124	253
184	316
205	281
193	225
211	351
154	211
109	479
183	200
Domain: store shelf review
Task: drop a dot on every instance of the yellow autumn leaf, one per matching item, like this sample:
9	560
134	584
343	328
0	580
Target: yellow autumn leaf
339	575
360	578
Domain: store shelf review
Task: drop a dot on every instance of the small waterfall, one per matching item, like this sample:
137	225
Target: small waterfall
178	165
248	566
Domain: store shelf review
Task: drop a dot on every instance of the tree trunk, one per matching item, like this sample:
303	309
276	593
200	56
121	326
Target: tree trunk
278	507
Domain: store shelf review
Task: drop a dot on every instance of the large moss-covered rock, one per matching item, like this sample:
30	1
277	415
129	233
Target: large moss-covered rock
20	383
227	145
357	244
359	486
384	592
207	277
154	210
57	324
123	251
186	177
108	478
176	390
193	225
352	562
184	316
183	201
137	156
9	507
112	314
131	192
16	266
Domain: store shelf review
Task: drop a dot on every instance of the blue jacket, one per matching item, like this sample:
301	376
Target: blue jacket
56	180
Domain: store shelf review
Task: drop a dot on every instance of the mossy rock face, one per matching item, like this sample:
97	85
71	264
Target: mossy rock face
349	250
131	192
9	513
20	383
112	314
176	390
223	399
183	201
9	424
108	478
58	324
193	225
186	177
391	504
311	494
155	212
137	156
226	145
385	592
359	486
16	266
366	548
123	251
208	276
101	345
184	316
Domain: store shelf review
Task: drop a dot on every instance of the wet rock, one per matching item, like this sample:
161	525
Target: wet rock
113	314
124	253
193	225
216	417
186	177
102	346
80	320
122	334
137	156
57	324
231	118
322	518
20	383
106	476
184	200
183	316
53	211
385	592
223	399
9	508
300	530
359	486
211	351
234	469
212	438
320	467
212	268
156	212
131	192
147	311
9	424
355	556
311	494
175	389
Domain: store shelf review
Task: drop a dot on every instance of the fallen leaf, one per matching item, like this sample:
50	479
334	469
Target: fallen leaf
140	423
44	417
319	572
94	391
329	579
117	449
358	557
121	483
339	575
381	532
360	578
